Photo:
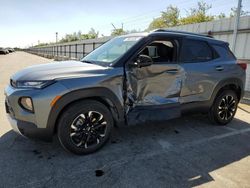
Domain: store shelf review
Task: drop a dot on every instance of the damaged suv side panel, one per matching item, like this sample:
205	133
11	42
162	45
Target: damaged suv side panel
156	87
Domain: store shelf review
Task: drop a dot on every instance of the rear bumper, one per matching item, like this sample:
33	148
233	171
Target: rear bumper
30	130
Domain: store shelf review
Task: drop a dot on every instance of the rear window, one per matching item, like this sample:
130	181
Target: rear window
195	51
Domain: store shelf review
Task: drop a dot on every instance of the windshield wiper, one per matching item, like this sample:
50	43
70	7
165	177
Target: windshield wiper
86	61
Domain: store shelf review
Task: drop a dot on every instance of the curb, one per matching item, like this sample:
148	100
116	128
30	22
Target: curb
245	100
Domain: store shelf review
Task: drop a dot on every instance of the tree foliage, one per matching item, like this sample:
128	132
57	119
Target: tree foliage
171	17
157	23
221	15
92	34
121	31
168	18
42	44
198	14
117	32
242	12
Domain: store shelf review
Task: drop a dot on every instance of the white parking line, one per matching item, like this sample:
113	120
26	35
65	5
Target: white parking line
230	128
215	138
167	145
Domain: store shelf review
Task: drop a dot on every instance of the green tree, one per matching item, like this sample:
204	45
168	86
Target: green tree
41	44
92	34
198	14
157	23
168	18
117	32
171	16
221	15
132	31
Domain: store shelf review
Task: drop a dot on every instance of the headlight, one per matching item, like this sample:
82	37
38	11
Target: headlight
33	84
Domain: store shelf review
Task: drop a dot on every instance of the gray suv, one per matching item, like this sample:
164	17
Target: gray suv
131	79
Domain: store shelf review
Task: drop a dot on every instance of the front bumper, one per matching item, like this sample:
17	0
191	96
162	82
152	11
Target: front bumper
32	124
13	123
29	130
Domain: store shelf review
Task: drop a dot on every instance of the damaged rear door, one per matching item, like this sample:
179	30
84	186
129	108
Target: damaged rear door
153	90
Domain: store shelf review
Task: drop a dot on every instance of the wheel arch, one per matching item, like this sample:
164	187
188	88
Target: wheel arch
234	84
103	95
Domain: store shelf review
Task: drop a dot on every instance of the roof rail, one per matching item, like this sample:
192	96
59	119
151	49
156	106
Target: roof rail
184	32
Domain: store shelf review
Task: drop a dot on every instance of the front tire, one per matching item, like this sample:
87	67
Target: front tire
224	108
85	127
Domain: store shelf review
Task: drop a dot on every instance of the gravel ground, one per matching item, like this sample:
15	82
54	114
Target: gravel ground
184	152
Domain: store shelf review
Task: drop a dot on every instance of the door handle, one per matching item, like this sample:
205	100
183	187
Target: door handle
219	68
172	71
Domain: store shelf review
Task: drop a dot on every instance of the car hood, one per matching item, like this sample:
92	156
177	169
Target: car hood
57	70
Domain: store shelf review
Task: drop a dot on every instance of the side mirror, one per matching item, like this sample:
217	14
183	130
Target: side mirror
143	61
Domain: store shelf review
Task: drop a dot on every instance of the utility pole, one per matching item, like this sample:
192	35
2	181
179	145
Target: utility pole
236	24
56	37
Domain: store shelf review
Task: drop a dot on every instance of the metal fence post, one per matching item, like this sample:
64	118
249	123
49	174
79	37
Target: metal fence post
236	25
76	51
69	51
83	49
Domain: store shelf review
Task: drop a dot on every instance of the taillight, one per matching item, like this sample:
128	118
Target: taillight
242	64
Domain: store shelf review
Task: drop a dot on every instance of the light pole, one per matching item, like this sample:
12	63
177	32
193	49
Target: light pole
236	24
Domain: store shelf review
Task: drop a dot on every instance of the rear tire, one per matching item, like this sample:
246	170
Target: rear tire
224	107
84	127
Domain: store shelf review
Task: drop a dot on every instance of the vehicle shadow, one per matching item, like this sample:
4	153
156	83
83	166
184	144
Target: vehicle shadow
180	152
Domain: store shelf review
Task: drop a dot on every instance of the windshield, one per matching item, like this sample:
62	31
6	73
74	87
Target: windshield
111	51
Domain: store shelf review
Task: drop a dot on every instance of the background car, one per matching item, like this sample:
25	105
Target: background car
3	51
10	50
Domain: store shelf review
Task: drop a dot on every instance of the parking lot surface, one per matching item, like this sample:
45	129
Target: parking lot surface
184	152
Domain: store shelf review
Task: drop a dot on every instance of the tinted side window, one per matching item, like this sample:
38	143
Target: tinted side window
224	52
195	51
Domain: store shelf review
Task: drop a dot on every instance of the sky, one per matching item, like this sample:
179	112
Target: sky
24	23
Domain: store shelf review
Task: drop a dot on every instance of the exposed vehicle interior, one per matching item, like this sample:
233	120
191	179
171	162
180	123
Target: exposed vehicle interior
160	51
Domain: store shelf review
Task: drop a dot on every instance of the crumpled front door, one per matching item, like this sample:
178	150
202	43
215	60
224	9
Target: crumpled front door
153	92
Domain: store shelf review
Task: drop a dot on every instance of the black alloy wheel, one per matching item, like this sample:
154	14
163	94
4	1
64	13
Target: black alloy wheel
224	107
88	129
84	127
